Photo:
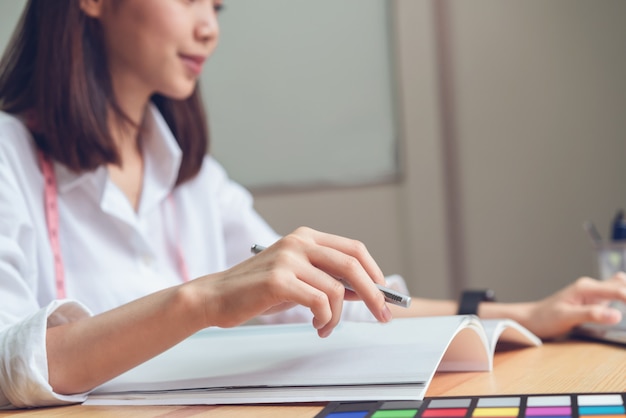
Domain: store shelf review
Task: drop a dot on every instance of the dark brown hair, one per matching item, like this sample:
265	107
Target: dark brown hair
54	72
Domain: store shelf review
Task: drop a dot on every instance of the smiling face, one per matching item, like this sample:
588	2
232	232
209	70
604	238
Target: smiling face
155	46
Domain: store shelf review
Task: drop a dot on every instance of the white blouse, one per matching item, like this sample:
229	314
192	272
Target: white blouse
111	253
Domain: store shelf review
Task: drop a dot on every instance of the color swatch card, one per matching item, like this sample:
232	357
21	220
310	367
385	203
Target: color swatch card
573	405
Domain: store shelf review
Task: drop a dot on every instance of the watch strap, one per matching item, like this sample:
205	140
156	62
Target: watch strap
470	299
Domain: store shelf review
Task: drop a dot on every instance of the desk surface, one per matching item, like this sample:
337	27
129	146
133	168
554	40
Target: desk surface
557	367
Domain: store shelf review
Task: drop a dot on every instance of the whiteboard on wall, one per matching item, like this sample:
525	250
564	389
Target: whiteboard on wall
300	93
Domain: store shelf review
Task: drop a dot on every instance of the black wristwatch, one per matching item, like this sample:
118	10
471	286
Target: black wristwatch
470	299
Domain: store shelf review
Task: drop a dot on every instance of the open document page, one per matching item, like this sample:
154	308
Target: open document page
290	363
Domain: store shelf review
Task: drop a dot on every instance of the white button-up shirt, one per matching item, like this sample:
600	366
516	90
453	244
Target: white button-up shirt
111	253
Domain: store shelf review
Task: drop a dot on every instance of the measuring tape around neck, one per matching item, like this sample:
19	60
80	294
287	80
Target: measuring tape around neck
51	209
52	220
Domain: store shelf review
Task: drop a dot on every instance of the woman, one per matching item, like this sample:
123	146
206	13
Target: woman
109	205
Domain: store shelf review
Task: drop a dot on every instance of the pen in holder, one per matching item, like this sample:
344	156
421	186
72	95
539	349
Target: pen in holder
610	255
611	258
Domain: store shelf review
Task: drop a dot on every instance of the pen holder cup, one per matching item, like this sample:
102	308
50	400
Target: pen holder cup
611	258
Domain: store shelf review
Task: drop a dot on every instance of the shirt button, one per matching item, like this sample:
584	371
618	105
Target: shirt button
147	260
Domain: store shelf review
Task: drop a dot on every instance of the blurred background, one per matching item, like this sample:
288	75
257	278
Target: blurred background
465	143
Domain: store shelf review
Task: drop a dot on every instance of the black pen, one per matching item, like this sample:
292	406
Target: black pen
391	295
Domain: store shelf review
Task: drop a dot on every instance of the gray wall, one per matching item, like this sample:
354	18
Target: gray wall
540	114
9	12
511	127
513	134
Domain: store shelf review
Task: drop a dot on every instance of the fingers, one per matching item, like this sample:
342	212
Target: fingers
345	259
619	277
587	300
287	276
353	248
594	291
321	293
322	296
349	269
613	289
597	314
306	266
270	282
605	315
618	282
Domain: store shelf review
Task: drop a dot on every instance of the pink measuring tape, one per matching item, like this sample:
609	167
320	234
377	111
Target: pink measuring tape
51	209
52	220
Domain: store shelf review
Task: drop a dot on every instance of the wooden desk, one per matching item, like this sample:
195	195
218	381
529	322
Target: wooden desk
558	367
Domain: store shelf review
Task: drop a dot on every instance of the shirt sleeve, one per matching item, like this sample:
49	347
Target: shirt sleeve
242	225
23	360
23	321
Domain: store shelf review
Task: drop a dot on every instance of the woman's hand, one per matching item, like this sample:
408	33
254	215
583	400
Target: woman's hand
301	268
585	300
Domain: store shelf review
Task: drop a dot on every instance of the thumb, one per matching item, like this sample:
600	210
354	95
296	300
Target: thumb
600	314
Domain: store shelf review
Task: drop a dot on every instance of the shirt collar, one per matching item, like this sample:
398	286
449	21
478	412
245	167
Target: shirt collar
162	159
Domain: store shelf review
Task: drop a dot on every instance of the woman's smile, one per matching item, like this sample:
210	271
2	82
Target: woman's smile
193	63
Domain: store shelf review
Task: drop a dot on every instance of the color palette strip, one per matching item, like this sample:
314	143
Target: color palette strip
572	405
